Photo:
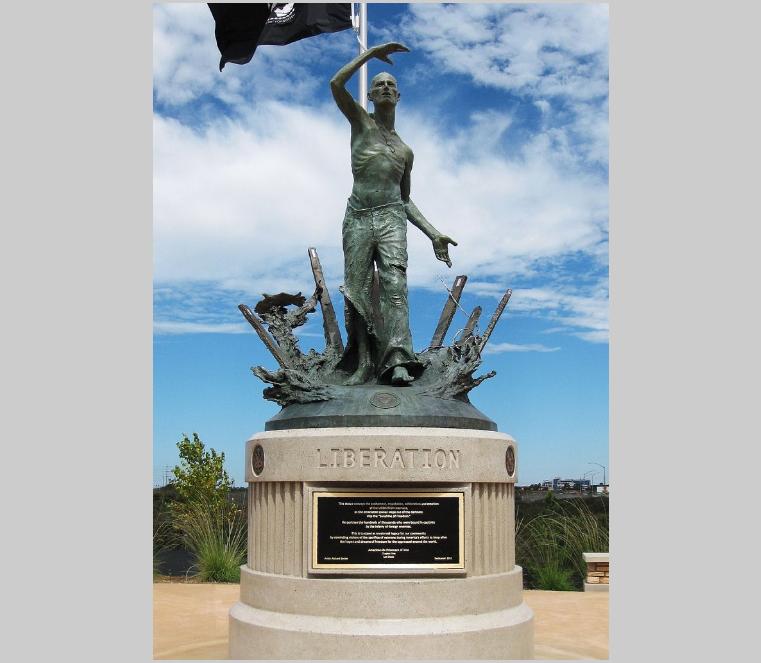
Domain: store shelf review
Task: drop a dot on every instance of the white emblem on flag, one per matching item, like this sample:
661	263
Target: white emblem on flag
282	13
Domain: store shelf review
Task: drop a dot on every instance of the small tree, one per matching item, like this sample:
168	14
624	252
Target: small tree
201	477
210	524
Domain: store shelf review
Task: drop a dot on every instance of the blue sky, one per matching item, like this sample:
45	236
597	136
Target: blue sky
506	108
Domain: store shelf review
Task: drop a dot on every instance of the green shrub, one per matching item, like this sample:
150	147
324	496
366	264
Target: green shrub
216	535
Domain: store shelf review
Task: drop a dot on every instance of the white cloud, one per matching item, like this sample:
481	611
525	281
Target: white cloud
540	49
499	348
580	310
542	52
235	199
184	52
598	336
239	200
175	327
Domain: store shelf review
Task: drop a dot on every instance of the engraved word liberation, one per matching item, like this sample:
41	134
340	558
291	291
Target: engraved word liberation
441	459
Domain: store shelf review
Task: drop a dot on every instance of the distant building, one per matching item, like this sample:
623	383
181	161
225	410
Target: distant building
559	484
567	484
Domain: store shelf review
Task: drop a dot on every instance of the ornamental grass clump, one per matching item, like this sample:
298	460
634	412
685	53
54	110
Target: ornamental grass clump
541	552
162	534
551	576
581	531
550	545
216	535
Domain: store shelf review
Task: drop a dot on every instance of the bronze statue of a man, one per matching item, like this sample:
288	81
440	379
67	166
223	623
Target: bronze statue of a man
375	230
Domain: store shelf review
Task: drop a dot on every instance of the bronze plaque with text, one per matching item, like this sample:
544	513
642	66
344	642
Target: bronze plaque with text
395	530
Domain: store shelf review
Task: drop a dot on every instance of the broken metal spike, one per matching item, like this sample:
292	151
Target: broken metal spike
448	312
494	319
329	322
268	341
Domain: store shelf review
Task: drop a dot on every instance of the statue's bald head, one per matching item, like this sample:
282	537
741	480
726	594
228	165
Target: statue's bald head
383	75
383	89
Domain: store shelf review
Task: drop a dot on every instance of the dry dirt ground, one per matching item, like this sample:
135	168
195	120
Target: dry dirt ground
190	622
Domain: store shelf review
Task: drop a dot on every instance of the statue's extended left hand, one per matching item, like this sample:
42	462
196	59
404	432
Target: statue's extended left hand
441	248
383	50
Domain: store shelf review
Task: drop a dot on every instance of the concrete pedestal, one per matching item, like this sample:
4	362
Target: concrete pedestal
291	608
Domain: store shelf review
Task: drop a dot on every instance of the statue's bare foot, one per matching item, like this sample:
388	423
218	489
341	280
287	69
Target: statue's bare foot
400	376
361	375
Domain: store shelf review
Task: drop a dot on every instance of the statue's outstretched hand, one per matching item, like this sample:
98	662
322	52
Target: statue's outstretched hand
382	52
441	249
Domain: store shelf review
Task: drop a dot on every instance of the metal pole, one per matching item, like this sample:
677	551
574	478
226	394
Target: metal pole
603	471
362	49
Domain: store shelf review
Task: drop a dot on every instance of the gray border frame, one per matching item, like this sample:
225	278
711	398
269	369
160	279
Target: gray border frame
684	108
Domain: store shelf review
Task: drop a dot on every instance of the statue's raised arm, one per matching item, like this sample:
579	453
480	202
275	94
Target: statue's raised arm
349	107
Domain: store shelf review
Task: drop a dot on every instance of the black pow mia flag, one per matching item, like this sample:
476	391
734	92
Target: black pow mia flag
293	21
241	27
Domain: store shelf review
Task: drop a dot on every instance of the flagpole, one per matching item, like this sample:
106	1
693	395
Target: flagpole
362	49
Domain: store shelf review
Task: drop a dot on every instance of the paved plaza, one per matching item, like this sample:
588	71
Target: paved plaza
190	622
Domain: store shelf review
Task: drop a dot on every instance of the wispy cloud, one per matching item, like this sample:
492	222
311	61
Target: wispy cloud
582	312
542	52
541	49
175	327
598	336
499	348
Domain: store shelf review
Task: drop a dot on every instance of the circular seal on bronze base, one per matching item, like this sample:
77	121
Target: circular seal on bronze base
510	461
257	459
384	400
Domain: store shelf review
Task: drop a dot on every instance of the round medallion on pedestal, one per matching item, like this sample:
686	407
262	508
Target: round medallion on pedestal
510	461
257	459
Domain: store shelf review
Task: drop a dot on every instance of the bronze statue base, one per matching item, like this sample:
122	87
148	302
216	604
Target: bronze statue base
381	405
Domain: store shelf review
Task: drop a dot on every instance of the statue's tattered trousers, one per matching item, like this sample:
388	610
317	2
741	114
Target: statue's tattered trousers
379	234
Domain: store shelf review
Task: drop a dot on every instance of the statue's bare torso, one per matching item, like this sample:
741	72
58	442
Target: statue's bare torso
379	160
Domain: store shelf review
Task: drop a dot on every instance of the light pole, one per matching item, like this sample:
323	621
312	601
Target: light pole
603	472
584	477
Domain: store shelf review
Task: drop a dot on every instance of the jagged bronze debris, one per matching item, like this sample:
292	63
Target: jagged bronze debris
316	376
